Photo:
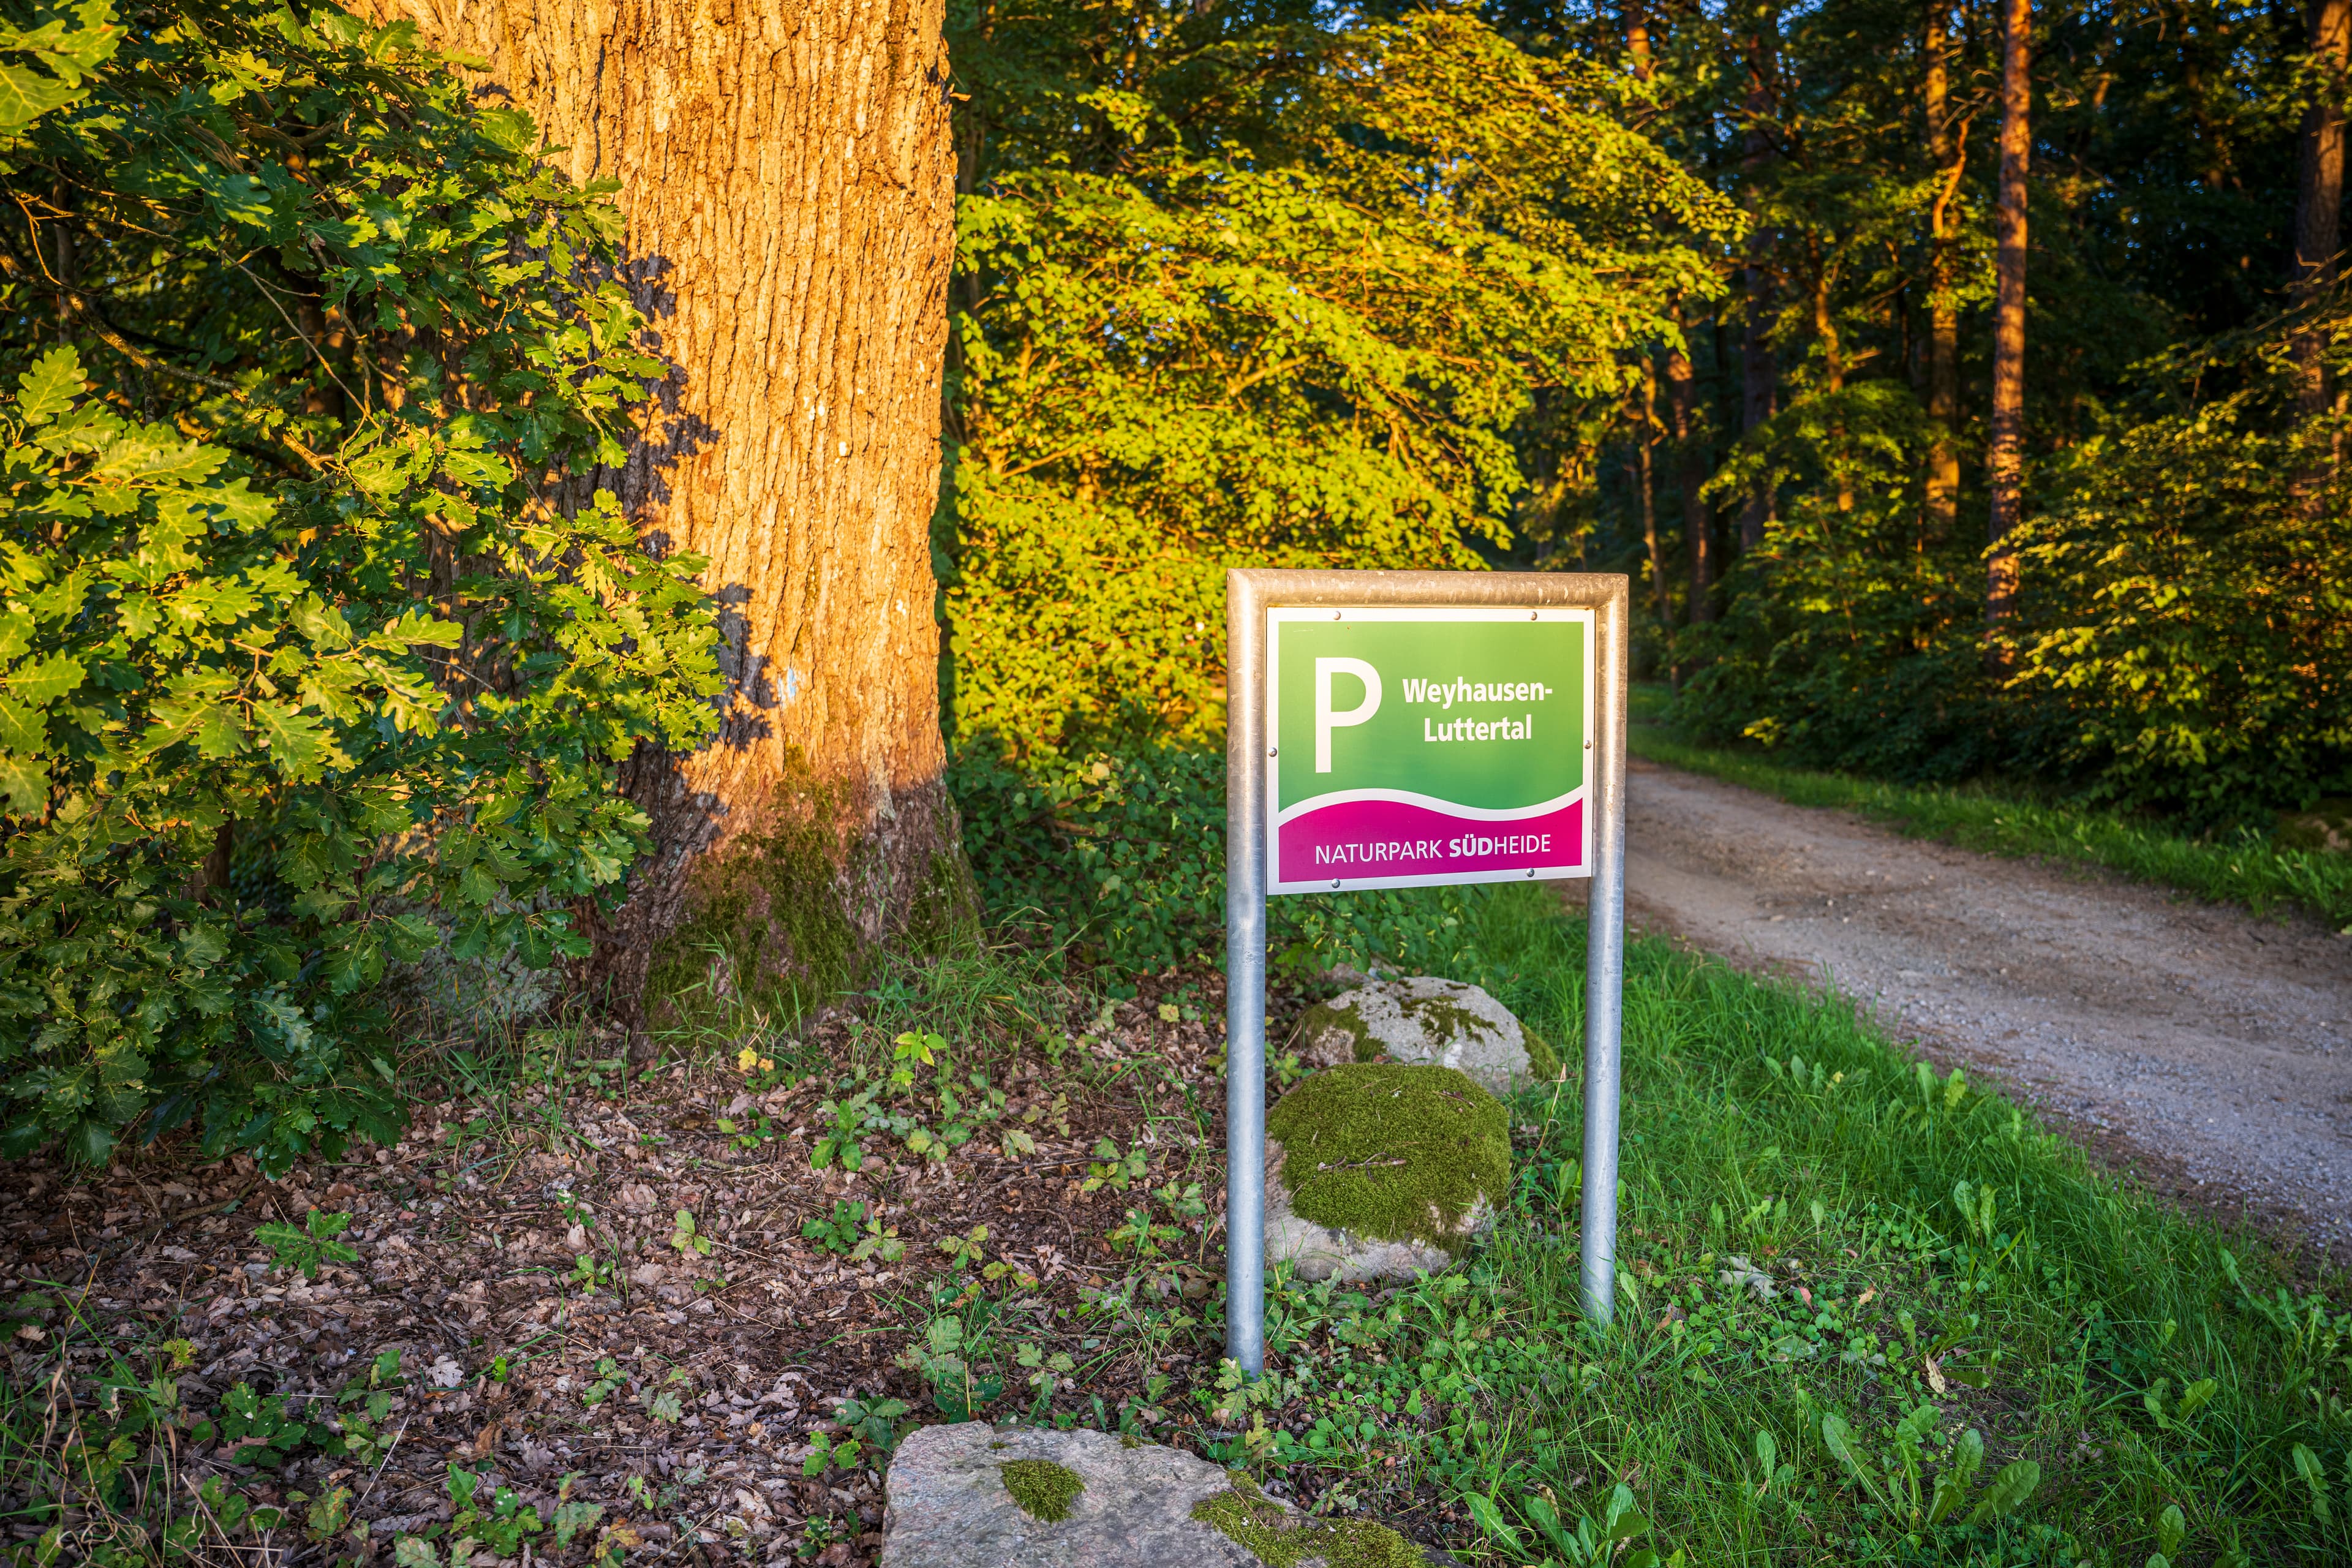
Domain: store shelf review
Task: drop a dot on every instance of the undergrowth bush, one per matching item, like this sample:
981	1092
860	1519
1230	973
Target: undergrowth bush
1851	637
1276	350
305	348
1124	856
2190	589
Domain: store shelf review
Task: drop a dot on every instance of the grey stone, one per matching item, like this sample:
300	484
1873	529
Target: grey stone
948	1509
1419	1018
1318	1252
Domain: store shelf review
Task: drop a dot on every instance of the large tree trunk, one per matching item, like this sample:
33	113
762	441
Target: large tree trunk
2005	462
2319	189
1947	157
1759	373
787	180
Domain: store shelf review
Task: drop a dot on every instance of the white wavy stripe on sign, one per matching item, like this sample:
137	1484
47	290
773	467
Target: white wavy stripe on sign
1407	797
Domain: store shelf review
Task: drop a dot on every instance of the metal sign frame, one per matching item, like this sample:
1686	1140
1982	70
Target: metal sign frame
1249	595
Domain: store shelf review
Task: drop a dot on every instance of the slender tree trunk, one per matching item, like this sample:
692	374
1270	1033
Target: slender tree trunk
1691	468
1824	289
1758	372
2319	189
1645	481
1946	156
2005	463
787	183
1637	38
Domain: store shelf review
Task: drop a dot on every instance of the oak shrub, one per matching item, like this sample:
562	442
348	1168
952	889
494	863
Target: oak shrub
313	653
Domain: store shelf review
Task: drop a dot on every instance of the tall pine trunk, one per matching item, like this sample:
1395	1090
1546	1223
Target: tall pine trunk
1691	470
787	182
1758	372
1646	486
2005	462
1947	157
2319	188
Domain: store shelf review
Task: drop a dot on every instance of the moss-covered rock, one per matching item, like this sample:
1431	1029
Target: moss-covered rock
1426	1019
2325	828
1280	1539
1378	1170
1043	1489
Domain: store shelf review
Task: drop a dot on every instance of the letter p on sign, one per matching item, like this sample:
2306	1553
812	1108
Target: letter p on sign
1326	720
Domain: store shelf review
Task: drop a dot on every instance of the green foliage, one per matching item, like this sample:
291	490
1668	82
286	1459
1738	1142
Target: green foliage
1920	1245
2186	626
1199	360
1851	637
484	1516
1202	332
850	1231
313	652
2190	588
310	1245
1124	854
2242	867
259	1429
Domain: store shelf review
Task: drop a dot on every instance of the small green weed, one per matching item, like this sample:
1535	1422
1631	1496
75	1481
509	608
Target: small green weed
311	1246
687	1239
849	1230
483	1518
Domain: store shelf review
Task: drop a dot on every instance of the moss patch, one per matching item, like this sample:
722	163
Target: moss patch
1543	1061
1392	1151
1323	1017
1043	1489
1244	1516
768	929
1441	1019
765	925
2325	828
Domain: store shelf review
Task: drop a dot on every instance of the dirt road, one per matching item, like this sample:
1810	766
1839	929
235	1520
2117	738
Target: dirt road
2209	1050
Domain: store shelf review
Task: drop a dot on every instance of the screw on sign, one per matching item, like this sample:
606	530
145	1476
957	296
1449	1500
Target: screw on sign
1417	730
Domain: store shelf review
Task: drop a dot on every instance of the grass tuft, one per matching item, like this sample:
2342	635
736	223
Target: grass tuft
1866	1313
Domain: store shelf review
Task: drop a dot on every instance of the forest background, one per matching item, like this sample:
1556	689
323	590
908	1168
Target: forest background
327	646
1702	293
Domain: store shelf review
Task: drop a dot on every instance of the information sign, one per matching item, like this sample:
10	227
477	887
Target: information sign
1413	730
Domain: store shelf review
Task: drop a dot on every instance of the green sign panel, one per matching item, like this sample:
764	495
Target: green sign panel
1414	748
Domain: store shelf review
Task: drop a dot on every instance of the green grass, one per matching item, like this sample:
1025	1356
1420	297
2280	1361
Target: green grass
2246	869
2131	1359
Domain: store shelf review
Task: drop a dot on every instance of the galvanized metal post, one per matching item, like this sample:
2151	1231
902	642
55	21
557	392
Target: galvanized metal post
1604	970
1246	743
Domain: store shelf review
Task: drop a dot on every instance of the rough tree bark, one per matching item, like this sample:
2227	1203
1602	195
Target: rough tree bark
2005	461
787	180
1946	156
2319	188
1758	372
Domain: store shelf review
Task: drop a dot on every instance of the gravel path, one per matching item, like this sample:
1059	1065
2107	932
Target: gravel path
2208	1050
